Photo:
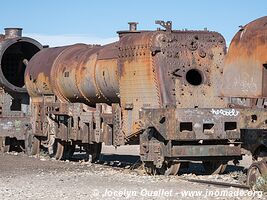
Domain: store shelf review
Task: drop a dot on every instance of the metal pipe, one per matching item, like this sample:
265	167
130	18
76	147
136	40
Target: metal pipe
13	32
132	26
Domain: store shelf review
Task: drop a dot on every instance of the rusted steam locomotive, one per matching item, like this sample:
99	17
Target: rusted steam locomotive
164	90
15	117
159	89
244	83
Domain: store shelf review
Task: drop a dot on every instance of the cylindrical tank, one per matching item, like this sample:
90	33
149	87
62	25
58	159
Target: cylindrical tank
15	52
245	67
75	73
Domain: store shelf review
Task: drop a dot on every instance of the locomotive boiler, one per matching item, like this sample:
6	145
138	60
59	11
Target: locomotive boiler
159	89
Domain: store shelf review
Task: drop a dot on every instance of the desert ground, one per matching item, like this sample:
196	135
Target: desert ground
117	175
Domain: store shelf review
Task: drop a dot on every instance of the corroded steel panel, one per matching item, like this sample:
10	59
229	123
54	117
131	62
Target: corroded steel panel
245	68
38	71
193	124
138	79
189	67
205	150
63	73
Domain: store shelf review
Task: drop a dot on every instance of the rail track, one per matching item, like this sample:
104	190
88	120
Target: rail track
216	183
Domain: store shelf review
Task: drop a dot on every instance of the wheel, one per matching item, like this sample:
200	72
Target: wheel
257	176
4	144
31	144
214	166
62	150
93	151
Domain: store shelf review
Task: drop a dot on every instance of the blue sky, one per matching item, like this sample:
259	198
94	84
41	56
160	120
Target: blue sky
60	22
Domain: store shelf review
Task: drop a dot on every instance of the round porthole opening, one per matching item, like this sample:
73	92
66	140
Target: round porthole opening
194	77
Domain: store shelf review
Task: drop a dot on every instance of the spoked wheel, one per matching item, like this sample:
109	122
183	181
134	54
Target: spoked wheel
93	151
214	166
257	176
62	150
170	169
31	144
4	144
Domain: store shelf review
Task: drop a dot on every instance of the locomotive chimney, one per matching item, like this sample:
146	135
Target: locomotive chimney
13	32
132	26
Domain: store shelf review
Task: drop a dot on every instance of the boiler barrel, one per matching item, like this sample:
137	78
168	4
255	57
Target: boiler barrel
75	73
15	52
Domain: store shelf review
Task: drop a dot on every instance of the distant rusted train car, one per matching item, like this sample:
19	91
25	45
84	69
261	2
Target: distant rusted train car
15	116
245	84
159	89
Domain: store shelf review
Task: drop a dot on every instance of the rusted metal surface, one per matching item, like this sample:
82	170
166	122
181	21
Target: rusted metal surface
138	78
193	124
13	122
37	73
255	141
206	150
244	81
15	116
190	120
253	131
15	51
256	175
13	32
192	69
202	56
159	89
178	68
246	62
76	73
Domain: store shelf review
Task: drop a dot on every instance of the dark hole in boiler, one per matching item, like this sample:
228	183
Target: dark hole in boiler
230	126
254	118
194	77
265	65
12	64
186	126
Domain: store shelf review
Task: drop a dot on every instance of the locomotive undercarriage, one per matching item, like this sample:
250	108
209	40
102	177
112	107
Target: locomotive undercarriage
169	138
61	127
173	137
